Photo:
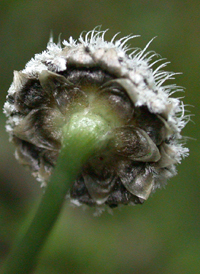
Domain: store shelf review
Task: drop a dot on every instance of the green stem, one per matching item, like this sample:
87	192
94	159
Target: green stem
84	136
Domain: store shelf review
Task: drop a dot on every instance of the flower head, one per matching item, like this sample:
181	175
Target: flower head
93	75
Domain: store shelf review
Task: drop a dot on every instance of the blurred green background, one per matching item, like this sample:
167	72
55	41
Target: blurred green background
161	236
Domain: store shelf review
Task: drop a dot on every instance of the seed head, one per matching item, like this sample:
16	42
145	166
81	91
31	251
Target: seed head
94	75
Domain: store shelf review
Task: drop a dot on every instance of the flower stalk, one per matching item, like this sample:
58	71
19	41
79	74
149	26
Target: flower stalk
84	136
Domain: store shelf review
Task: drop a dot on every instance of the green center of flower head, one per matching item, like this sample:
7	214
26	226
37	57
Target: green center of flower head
89	102
89	123
86	130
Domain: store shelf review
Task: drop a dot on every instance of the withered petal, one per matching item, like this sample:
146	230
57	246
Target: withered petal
98	189
154	125
142	185
136	178
30	96
58	87
129	87
38	128
120	195
19	79
27	154
79	193
167	156
135	144
99	177
116	96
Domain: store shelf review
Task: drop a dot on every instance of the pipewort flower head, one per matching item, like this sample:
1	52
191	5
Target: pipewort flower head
93	75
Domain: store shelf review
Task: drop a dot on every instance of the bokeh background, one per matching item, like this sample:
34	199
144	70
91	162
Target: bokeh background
161	236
